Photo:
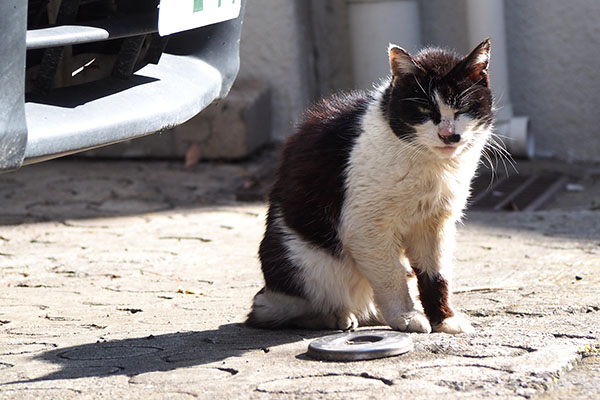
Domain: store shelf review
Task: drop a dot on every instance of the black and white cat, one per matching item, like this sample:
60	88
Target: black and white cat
368	194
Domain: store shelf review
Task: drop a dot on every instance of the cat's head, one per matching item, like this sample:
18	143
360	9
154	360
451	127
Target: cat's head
438	100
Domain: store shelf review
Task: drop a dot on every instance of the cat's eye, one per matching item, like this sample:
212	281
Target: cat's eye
464	109
424	110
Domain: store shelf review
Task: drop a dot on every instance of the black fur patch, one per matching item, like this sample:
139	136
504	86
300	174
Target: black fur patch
281	275
434	295
309	191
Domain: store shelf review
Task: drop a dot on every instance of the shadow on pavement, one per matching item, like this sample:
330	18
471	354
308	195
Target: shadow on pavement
134	356
73	189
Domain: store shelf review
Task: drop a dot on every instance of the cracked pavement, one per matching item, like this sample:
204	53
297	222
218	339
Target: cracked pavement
126	279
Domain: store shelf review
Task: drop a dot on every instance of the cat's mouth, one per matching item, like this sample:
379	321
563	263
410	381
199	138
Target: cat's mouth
447	150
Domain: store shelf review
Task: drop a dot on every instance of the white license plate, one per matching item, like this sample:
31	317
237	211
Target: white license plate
182	15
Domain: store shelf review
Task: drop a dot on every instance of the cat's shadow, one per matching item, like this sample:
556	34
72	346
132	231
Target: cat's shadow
134	356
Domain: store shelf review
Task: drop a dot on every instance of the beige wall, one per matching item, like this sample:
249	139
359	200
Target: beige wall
298	47
273	49
554	50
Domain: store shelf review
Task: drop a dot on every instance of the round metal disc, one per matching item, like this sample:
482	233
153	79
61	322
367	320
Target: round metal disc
360	345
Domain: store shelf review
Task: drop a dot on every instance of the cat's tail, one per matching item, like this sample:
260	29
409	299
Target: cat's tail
271	310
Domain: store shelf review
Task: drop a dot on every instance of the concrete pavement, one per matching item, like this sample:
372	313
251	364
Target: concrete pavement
130	280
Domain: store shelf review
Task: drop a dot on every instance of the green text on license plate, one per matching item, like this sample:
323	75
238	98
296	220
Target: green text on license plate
181	15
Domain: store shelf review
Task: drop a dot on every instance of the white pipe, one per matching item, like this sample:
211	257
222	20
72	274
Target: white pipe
486	19
373	24
516	136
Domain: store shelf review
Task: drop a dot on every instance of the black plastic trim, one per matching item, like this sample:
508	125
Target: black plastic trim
95	31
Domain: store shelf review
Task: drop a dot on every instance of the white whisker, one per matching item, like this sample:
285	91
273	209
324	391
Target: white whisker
500	153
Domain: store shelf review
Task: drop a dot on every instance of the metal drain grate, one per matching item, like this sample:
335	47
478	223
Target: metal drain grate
515	193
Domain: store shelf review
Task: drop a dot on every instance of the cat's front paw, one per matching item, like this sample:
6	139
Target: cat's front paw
347	322
342	320
454	325
411	322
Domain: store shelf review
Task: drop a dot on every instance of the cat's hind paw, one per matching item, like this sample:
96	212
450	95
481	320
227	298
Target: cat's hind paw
454	325
411	322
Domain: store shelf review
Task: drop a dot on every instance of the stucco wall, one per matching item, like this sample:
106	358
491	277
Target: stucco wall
274	49
443	23
554	49
298	47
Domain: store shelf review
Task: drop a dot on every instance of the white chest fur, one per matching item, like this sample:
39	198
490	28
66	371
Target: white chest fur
397	185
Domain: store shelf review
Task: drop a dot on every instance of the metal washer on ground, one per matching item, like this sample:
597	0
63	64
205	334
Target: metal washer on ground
360	345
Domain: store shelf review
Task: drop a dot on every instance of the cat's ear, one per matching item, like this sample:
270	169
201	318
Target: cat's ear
475	65
401	62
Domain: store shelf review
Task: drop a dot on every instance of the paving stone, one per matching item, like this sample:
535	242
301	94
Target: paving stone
144	297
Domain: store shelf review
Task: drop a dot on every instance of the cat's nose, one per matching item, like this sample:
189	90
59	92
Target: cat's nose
449	138
447	134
